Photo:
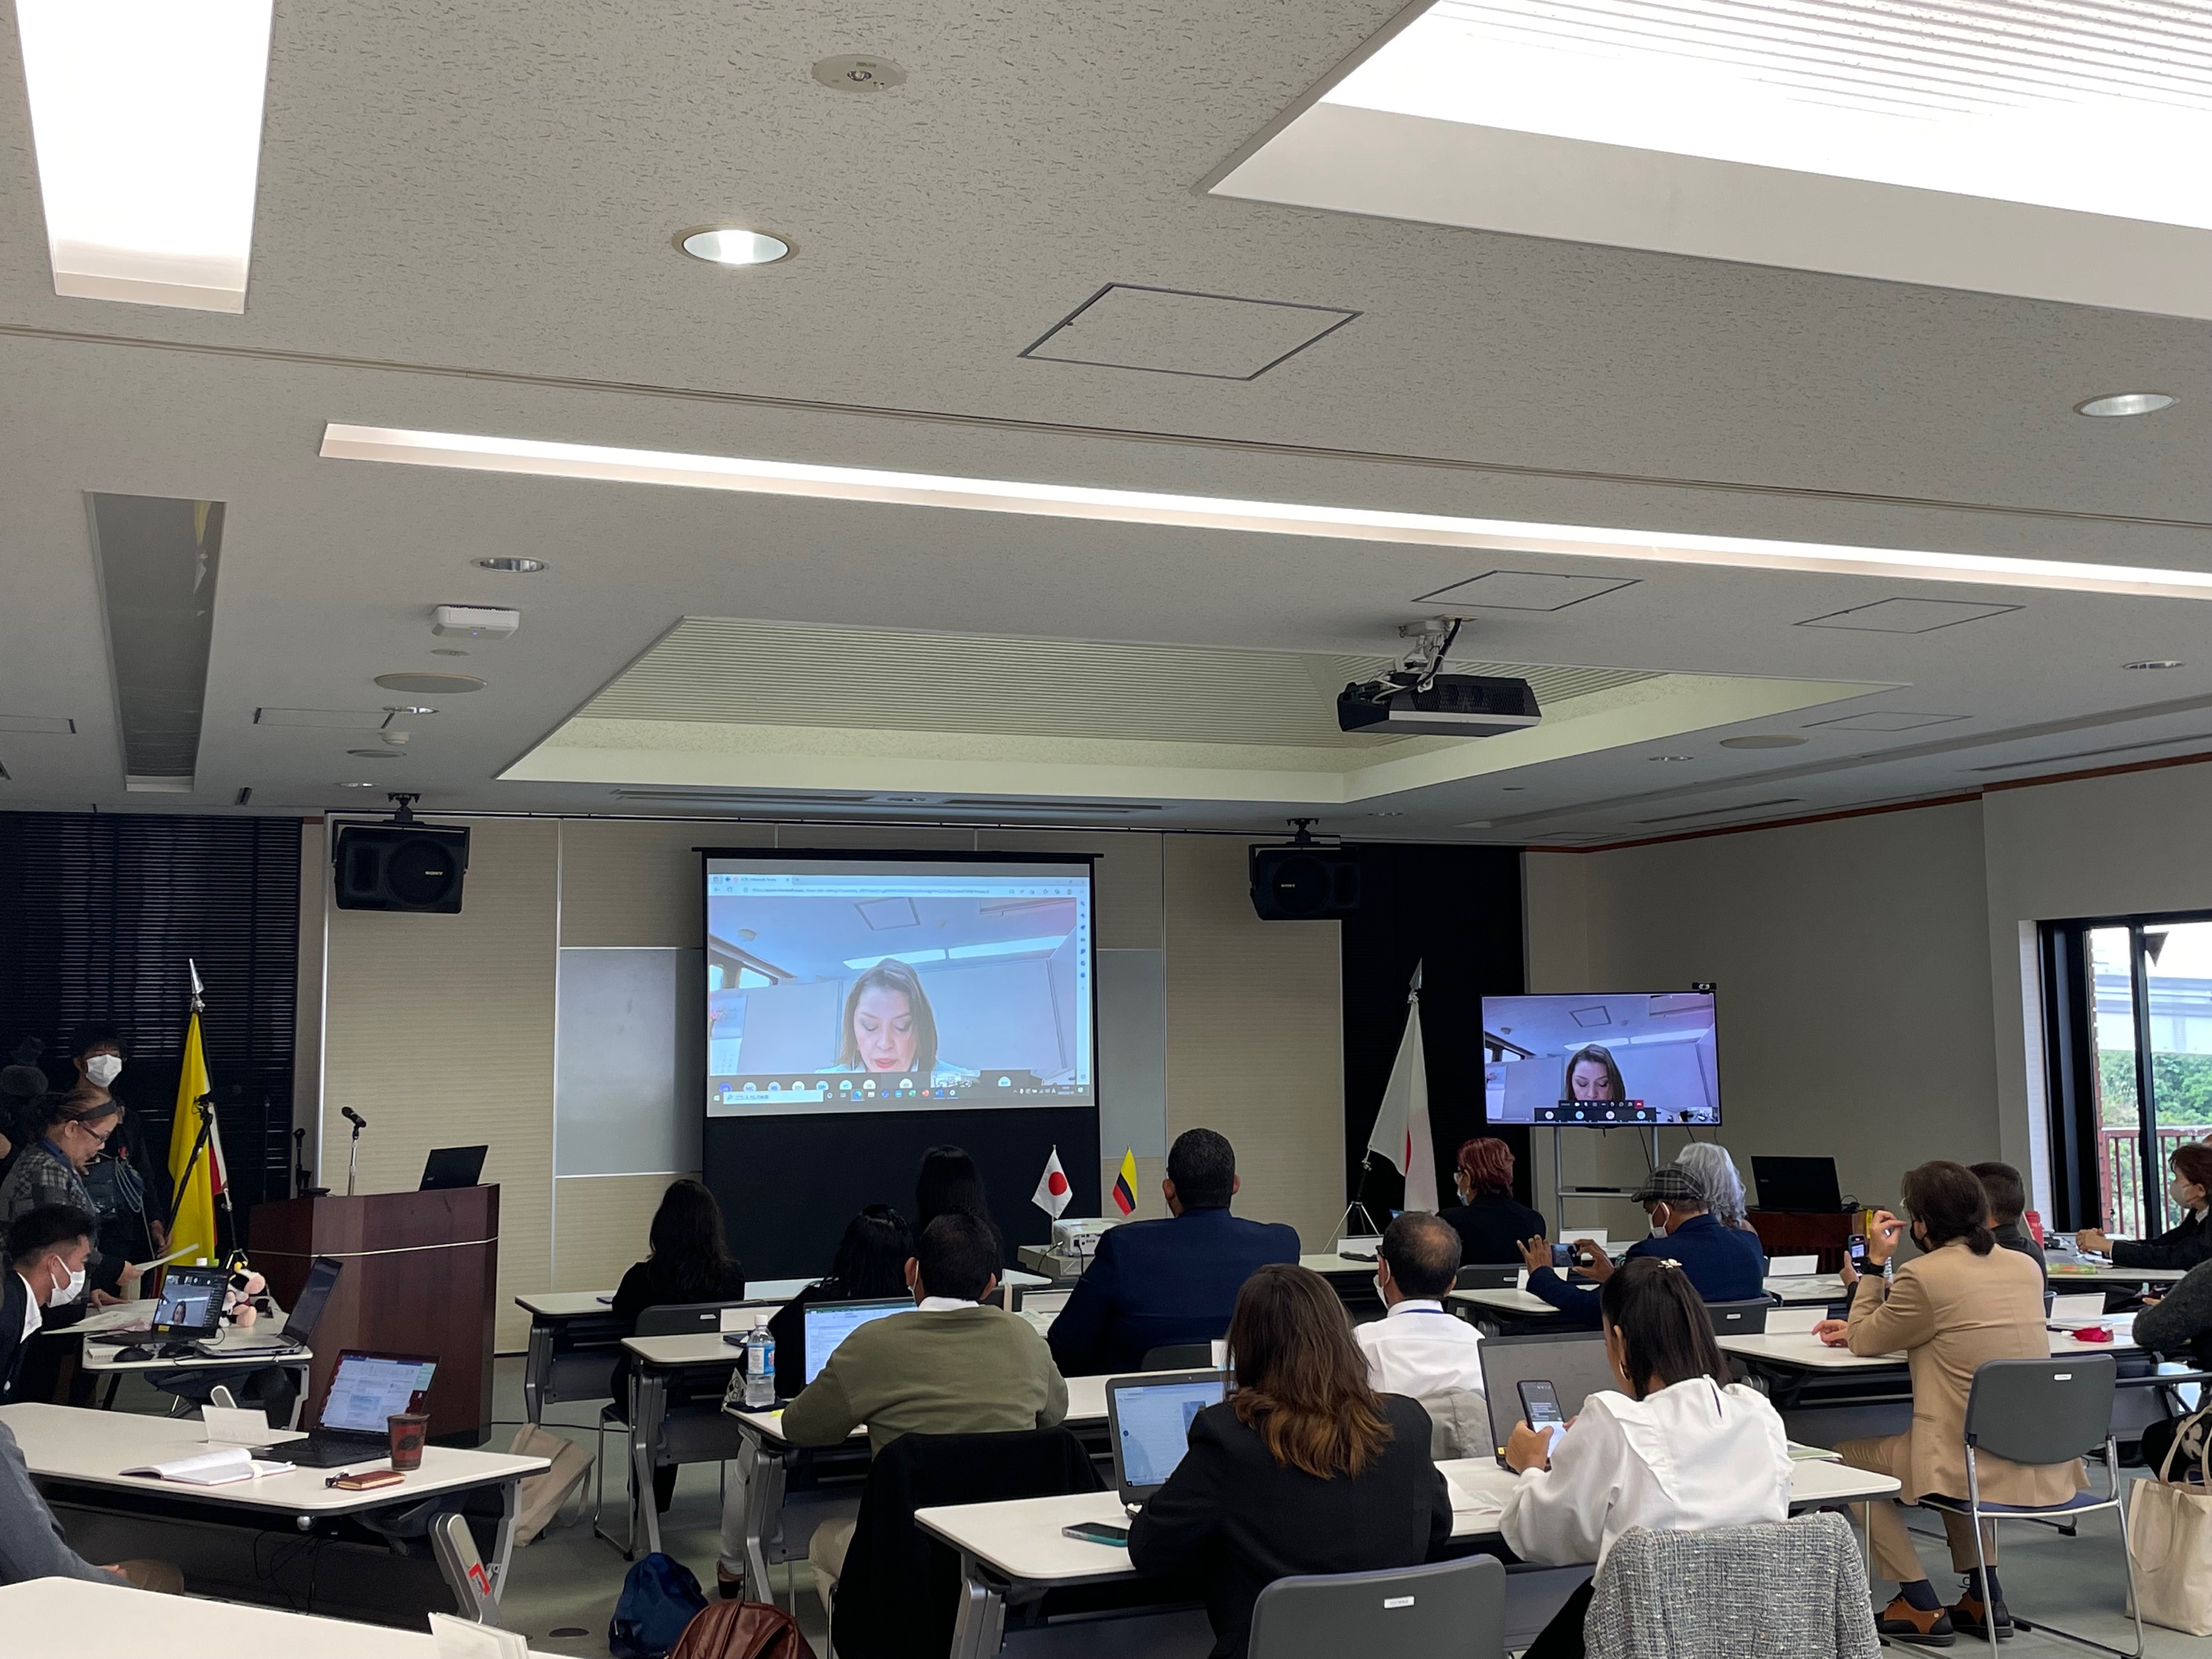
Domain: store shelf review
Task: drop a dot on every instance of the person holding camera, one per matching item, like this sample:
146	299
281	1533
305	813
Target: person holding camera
1724	1264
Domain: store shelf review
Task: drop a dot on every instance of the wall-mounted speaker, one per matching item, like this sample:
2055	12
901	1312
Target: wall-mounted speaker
1304	884
412	867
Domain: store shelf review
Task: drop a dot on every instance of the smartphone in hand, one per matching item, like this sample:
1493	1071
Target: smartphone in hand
1539	1405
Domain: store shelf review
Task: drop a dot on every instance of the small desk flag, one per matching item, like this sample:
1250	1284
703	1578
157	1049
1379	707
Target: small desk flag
1124	1184
1052	1194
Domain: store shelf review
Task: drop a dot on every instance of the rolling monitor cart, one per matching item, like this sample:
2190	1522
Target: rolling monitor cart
453	1166
1805	1185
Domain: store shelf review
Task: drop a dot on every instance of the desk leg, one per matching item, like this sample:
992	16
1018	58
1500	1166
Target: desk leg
648	1404
534	1369
503	1545
763	1472
979	1625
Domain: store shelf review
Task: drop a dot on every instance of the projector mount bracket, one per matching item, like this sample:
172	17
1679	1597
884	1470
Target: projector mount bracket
1422	660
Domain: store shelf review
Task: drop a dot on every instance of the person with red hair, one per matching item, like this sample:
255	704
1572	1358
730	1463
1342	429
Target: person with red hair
1490	1221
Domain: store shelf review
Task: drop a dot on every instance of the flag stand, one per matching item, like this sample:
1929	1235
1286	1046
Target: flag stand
205	1105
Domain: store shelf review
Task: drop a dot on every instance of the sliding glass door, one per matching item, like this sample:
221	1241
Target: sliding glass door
2132	1072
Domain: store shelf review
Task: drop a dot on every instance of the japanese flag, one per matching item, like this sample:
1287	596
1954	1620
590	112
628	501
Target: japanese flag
1053	1192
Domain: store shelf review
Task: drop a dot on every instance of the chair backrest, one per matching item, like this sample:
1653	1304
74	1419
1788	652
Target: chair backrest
458	1559
683	1318
1179	1357
1712	1594
899	1593
1455	1607
1739	1318
2042	1411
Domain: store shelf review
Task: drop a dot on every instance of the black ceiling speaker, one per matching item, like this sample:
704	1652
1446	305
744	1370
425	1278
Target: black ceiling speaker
401	865
1304	881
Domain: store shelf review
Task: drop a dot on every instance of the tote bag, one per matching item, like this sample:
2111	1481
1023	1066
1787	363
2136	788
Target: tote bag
2170	1536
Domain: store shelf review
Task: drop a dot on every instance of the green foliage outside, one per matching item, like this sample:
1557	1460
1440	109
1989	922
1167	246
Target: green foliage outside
2181	1085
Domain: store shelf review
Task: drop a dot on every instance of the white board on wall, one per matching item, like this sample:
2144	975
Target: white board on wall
628	1052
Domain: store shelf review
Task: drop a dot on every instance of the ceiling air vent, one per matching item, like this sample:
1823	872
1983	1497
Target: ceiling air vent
157	558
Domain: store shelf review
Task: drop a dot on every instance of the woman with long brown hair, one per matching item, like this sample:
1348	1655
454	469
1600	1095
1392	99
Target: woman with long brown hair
1304	1468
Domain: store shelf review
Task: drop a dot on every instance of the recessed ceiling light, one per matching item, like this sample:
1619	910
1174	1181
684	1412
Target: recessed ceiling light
2126	403
2151	662
727	246
513	566
1355	524
146	120
431	684
1763	740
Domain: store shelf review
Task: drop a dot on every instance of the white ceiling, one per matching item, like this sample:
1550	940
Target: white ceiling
464	226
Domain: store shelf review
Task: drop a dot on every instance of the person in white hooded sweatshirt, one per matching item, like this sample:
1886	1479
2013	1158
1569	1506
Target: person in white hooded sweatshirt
1681	1449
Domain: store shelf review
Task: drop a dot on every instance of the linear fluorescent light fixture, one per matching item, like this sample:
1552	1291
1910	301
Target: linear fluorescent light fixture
2076	104
1355	524
146	117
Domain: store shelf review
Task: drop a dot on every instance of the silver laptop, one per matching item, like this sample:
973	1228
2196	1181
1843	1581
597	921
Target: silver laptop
1148	1421
1573	1362
298	1324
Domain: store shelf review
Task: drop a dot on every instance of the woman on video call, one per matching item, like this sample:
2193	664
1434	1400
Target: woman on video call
889	1027
1592	1075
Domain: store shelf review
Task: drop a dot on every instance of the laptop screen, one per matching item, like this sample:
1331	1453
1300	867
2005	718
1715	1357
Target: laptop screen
366	1388
191	1299
300	1323
1573	1362
1151	1424
829	1323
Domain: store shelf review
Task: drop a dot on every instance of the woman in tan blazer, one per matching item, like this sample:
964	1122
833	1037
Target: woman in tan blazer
1961	1304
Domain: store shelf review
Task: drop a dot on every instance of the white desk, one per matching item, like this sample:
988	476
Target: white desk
225	1352
2063	1271
1333	1265
1802	1351
101	1621
1015	1551
72	1446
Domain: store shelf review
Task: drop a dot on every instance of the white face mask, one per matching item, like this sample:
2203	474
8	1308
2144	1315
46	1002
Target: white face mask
72	1291
2178	1190
104	1069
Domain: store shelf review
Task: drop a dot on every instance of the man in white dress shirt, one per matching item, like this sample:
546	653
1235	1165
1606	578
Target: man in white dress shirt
1419	1348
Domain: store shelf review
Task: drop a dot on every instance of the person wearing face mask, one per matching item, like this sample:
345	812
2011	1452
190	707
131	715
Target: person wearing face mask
130	1181
1950	1311
1490	1221
1723	1264
46	1249
1419	1348
2190	1192
51	1171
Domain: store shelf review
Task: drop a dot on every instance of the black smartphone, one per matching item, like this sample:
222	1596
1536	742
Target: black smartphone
1563	1255
1096	1532
1540	1405
1857	1249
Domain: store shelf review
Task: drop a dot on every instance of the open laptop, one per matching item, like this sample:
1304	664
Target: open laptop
365	1391
453	1166
190	1306
300	1323
1573	1362
1148	1425
1803	1184
829	1323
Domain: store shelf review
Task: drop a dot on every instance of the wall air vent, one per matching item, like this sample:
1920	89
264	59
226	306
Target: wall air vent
157	558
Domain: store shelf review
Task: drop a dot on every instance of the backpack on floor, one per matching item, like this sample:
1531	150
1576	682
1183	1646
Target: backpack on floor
743	1630
658	1598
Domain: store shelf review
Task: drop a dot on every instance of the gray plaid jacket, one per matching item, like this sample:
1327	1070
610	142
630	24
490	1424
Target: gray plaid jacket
1797	1588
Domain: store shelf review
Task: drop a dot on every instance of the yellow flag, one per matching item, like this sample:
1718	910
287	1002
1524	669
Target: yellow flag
1125	1185
195	1222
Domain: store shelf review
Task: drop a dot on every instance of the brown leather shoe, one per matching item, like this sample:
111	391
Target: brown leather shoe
1900	1621
1968	1618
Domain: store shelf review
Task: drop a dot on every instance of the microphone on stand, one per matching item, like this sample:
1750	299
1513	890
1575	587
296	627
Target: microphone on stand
353	1117
353	1144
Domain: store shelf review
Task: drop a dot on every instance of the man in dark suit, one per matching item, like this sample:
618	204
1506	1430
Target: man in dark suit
1725	1263
46	1248
1159	1283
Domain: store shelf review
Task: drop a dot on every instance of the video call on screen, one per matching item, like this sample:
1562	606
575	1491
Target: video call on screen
868	985
1640	1057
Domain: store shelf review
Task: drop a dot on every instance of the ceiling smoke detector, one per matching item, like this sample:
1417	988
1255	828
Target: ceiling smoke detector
856	72
474	622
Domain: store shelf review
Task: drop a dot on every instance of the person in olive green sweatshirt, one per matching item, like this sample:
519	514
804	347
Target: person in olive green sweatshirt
952	1367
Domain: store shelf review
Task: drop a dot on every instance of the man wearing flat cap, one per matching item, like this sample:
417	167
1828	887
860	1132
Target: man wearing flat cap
1725	1263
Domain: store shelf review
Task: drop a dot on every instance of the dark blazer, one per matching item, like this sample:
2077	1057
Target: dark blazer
1490	1229
1156	1284
1725	1263
2013	1235
2181	1247
649	1283
14	1303
1230	1514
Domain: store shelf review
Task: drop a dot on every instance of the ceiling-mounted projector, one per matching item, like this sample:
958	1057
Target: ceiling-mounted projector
1451	706
1418	699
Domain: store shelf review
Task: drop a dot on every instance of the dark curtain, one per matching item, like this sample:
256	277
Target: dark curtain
100	913
1456	910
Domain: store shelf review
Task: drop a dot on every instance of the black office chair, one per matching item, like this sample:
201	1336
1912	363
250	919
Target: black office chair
1179	1357
1739	1318
1488	1276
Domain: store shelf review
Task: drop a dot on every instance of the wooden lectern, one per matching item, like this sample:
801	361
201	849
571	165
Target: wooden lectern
419	1277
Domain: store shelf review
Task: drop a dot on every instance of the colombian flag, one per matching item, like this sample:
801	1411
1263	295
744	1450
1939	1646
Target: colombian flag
1124	1184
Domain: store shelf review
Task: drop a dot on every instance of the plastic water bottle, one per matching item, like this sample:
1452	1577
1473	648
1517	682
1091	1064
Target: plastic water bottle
760	1369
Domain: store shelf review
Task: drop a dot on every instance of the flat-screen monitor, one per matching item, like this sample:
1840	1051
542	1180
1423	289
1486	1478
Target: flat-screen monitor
902	984
191	1302
1602	1060
829	1323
